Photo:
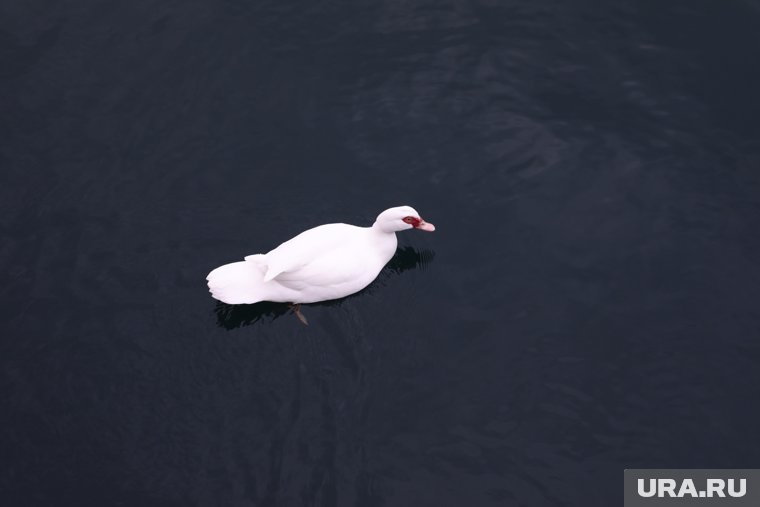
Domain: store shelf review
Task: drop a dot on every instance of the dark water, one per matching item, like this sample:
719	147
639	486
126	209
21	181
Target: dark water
590	301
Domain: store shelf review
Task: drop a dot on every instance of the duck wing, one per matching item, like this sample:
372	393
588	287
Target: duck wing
305	248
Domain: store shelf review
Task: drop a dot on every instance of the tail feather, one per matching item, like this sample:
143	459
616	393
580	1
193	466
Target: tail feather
239	282
259	259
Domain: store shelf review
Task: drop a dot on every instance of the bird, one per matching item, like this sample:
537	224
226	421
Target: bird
330	261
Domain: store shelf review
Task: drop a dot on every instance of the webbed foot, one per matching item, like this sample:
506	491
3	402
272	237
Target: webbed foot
297	311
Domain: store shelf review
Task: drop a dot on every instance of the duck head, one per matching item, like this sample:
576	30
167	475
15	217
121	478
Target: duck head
400	219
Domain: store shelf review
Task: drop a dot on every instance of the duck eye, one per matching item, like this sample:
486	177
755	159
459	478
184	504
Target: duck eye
409	220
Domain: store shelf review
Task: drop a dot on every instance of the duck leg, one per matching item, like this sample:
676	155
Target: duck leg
297	311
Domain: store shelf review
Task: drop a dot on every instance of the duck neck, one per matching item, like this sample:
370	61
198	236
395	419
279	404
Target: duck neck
379	228
386	241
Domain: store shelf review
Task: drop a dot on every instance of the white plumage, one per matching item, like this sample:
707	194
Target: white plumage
327	262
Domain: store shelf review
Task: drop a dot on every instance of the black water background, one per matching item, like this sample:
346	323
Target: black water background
589	302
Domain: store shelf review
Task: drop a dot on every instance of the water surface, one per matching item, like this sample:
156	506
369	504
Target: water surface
589	301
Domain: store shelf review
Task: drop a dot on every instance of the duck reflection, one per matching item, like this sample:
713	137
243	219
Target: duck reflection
235	316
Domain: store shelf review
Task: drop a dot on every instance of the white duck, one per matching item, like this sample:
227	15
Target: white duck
330	261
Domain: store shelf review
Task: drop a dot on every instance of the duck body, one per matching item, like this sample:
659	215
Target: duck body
326	262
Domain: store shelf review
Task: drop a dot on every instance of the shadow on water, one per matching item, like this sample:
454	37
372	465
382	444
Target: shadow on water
235	316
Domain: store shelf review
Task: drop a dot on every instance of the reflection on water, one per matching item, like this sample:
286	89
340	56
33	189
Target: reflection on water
235	316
